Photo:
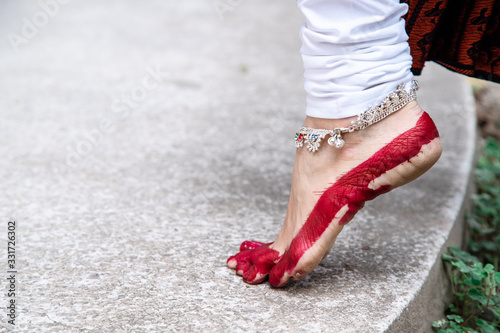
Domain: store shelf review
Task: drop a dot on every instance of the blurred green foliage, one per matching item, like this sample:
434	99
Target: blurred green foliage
475	276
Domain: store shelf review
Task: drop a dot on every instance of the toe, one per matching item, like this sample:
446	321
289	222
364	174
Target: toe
281	273
278	277
250	245
240	258
232	262
263	261
254	276
243	268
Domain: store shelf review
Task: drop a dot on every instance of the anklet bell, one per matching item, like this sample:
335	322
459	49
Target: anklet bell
395	101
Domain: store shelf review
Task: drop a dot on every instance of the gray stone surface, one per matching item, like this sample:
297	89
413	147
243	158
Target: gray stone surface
131	189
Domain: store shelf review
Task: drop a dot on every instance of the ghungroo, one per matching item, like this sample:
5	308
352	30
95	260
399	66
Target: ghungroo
395	101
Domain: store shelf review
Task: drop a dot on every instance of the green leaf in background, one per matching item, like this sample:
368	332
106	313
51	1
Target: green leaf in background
475	276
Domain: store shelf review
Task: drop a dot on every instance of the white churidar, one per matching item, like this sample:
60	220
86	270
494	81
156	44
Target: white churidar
355	52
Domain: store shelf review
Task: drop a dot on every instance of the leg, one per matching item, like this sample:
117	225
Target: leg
354	54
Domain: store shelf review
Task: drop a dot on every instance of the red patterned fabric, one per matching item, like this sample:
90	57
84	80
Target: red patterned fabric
462	35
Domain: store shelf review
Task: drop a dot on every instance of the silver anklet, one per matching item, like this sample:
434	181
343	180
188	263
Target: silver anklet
392	103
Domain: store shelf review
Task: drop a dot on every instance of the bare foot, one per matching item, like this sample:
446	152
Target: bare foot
331	185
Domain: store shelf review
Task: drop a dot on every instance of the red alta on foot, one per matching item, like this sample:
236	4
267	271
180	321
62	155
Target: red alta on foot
342	200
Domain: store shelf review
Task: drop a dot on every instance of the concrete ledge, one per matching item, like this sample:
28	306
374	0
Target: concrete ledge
141	143
457	121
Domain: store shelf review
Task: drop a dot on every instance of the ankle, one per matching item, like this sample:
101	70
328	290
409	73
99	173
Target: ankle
325	123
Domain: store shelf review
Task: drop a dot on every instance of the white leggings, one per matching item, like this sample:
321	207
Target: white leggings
355	53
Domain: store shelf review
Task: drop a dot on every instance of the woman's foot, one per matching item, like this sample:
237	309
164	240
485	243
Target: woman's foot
329	186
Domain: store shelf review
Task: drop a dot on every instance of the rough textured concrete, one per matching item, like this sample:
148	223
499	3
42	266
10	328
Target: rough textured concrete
434	295
129	200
